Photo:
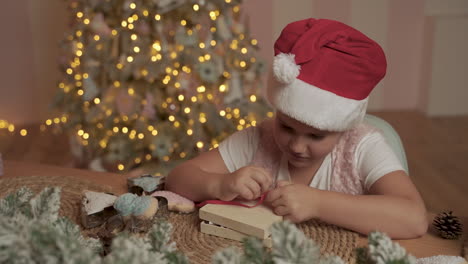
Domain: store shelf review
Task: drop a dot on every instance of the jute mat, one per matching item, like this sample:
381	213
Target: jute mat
198	247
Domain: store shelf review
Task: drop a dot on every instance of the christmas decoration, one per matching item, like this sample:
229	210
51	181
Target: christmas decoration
32	232
145	184
156	82
96	208
448	225
176	202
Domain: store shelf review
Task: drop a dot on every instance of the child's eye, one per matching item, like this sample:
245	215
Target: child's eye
285	127
316	137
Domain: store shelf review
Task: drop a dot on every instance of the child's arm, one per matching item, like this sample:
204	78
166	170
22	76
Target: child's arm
394	206
207	177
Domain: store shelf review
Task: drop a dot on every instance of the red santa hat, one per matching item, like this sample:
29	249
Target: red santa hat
327	71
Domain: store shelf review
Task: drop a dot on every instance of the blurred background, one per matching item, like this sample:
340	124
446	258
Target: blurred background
424	94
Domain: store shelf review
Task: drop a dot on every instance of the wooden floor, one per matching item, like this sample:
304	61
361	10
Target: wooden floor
436	148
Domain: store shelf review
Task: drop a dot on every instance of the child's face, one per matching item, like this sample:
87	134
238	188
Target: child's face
303	145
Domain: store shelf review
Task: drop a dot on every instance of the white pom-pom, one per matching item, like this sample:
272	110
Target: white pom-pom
285	68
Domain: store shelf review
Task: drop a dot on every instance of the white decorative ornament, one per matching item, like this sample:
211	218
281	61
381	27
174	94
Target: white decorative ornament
285	68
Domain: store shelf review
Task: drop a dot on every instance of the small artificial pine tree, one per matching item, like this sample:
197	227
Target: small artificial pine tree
448	225
156	81
32	232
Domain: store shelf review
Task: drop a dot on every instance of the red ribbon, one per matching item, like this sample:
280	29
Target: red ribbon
259	202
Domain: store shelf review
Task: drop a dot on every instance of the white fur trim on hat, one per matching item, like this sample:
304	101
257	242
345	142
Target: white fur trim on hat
285	68
316	107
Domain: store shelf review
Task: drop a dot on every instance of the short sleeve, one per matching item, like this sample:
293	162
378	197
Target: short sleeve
375	158
238	150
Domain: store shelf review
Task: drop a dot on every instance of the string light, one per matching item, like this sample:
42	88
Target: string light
196	7
157	17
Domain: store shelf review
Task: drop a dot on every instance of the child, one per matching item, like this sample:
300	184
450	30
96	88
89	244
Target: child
316	157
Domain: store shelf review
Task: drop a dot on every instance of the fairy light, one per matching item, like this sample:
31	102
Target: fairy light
193	99
23	132
141	136
134	37
145	13
131	91
196	7
79	33
130	20
130	26
121	167
213	15
135	17
244	50
182	155
129	58
222	88
69	71
114	32
79	14
189	132
213	42
187	110
180	97
254	42
201	89
270	114
222	113
63	119
236	9
243	64
253	98
124	23
86	21
132	5
213	29
56	120
136	49
96	37
80	92
154	132
199	144
125	130
207	57
183	22
157	17
157	45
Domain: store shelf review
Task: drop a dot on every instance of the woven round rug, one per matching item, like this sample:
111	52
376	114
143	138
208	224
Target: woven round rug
199	247
70	195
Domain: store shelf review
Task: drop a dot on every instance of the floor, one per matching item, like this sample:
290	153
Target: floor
436	148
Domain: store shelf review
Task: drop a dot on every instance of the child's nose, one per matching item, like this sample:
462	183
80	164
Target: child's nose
296	144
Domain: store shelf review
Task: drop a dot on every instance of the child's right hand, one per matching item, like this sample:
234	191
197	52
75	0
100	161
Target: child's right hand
247	183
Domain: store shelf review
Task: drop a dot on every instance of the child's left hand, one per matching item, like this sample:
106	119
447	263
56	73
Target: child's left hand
295	202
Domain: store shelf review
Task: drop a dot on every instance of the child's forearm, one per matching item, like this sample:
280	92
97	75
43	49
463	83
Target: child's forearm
397	216
193	183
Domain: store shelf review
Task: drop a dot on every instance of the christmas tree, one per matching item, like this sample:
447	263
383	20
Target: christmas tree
156	81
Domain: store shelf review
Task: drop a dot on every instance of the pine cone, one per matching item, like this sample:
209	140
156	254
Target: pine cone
448	225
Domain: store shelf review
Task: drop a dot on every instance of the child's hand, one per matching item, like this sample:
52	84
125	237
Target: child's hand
295	202
247	183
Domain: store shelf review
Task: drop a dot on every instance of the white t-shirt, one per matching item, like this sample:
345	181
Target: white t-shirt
374	158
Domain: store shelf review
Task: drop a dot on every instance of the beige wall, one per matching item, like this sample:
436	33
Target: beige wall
29	52
424	40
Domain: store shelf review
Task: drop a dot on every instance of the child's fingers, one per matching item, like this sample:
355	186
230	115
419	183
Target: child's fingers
277	202
283	183
262	180
254	187
273	195
281	210
246	193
